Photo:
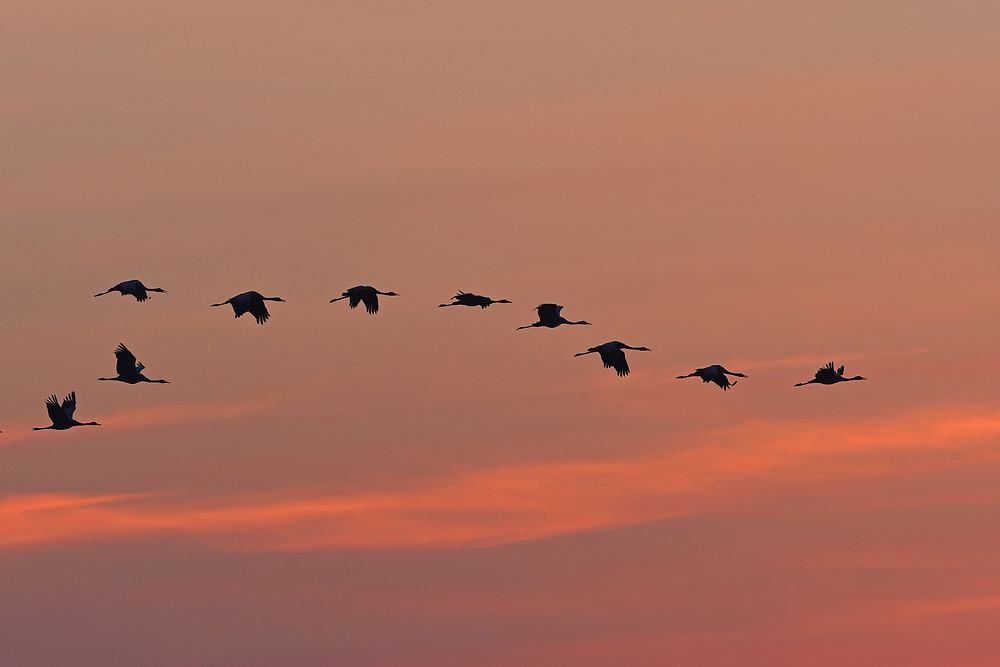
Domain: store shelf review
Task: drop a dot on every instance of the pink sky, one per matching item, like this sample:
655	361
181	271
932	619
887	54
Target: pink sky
767	185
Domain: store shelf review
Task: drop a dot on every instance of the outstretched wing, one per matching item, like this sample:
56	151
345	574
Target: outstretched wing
69	405
840	371
470	299
133	287
354	296
826	372
126	360
240	304
258	310
548	311
371	301
614	358
56	413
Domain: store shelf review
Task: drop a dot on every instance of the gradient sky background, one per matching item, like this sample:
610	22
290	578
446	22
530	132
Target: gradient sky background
769	185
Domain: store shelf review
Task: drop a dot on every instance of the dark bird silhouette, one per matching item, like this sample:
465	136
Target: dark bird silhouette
365	293
714	373
134	288
129	370
548	316
613	356
467	299
251	302
62	416
826	375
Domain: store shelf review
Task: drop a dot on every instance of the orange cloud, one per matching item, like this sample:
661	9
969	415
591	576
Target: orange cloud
514	503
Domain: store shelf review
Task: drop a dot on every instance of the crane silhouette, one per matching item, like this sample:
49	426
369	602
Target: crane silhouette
134	288
62	416
128	369
714	373
250	302
363	293
827	375
548	316
467	299
613	355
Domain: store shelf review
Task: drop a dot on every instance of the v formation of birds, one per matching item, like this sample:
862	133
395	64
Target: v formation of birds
612	353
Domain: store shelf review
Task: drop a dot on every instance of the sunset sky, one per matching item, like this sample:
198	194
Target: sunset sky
764	184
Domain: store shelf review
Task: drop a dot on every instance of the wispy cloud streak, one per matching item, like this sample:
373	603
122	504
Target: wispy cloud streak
514	503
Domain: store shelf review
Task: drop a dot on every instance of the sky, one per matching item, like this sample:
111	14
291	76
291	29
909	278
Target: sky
764	184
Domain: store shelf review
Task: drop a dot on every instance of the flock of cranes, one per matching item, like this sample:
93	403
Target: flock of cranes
612	354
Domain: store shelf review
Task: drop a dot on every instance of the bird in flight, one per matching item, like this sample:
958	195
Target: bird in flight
251	302
827	375
467	299
62	415
128	369
714	373
613	356
366	294
133	287
548	316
